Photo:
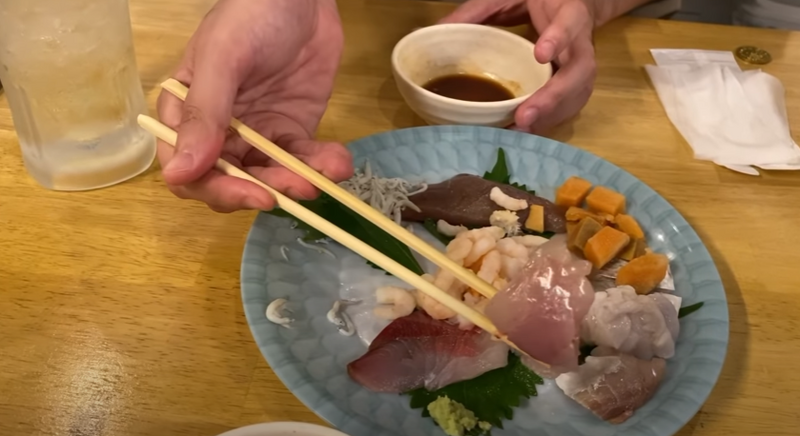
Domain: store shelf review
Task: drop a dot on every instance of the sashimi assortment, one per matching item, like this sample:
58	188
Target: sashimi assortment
572	275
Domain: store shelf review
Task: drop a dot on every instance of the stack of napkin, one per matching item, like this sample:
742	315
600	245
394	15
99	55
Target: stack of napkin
736	119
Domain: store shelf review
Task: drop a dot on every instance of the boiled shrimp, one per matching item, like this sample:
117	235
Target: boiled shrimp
493	231
444	280
480	247
448	229
500	283
511	267
394	302
490	266
506	201
432	307
511	248
458	249
514	257
476	302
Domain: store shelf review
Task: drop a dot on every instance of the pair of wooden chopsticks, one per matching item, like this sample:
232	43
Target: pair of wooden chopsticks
324	184
342	195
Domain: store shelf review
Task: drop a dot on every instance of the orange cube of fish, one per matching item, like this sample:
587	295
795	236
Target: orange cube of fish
573	192
606	201
577	214
644	273
604	246
628	224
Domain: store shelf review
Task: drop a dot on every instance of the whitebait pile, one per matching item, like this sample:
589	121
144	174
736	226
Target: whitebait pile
388	195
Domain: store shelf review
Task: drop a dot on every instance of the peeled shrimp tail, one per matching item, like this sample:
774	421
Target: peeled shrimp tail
394	303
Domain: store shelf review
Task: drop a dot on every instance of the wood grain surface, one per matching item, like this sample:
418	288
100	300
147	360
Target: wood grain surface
120	311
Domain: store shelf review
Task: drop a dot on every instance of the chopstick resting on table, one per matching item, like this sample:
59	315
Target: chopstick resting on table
297	166
366	251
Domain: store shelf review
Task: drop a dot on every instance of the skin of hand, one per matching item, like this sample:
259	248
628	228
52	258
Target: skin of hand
565	38
271	64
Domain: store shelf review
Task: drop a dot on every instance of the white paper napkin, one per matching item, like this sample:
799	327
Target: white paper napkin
734	118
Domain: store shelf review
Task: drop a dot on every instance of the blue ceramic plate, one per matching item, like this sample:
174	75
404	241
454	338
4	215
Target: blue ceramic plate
311	358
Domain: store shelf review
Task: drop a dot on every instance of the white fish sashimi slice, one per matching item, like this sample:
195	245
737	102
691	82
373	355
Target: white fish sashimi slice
674	299
670	312
613	386
644	326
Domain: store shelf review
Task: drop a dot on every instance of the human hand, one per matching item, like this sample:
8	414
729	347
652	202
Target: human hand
271	64
565	38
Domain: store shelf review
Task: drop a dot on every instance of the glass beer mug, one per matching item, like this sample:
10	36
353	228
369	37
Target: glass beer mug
70	76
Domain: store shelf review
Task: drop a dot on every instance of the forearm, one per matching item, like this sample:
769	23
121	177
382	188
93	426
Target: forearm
607	10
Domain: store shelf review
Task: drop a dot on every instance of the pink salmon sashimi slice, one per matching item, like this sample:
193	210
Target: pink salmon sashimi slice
418	351
541	309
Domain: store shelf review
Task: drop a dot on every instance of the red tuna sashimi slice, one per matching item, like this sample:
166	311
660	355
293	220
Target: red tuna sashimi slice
613	385
417	351
542	308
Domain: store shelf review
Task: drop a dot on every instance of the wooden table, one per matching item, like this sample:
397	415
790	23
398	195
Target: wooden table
120	311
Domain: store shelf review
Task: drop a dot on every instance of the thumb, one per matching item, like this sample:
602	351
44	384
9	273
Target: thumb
570	20
206	115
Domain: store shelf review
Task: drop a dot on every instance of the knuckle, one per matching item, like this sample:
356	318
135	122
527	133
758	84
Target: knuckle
168	111
191	113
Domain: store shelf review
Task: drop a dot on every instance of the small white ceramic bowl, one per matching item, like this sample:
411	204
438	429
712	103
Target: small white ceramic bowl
283	429
441	50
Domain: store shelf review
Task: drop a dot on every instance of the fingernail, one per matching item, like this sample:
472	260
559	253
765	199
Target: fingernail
529	116
182	161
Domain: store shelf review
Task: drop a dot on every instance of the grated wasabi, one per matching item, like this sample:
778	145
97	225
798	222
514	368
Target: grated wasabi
455	419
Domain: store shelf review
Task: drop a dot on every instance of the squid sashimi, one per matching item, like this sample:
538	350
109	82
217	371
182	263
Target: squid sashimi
417	351
644	326
542	307
613	385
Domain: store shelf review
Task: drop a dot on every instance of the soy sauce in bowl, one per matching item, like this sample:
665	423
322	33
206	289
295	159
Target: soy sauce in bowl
468	87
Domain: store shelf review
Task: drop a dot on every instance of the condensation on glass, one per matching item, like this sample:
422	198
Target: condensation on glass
70	76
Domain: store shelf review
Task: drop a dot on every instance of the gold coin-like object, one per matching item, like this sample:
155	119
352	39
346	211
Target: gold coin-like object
753	55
